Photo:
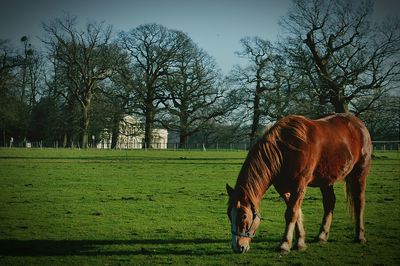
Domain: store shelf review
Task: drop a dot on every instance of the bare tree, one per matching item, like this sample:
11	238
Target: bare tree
152	48
383	118
118	98
193	91
254	80
342	52
9	61
32	73
27	53
85	57
281	95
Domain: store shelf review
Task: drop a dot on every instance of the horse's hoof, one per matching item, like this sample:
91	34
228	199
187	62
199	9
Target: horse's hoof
322	238
361	241
283	251
284	248
301	247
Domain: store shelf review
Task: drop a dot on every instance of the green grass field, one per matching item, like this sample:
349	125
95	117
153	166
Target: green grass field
96	207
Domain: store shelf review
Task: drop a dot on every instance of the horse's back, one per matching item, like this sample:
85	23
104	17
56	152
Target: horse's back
345	129
341	142
323	150
332	132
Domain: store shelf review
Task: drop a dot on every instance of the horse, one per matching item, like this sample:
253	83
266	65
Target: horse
296	153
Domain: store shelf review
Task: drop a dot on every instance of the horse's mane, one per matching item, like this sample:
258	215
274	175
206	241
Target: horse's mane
264	160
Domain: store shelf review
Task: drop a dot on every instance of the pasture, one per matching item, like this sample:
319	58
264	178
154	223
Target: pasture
108	207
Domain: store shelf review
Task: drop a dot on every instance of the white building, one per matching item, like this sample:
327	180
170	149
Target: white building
131	136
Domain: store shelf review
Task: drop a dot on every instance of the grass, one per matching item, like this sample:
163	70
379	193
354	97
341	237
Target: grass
96	207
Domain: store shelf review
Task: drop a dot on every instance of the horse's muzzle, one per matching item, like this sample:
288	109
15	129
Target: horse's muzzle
241	248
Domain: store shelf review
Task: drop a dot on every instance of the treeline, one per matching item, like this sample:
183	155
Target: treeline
333	58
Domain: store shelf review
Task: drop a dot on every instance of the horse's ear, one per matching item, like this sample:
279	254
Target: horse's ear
229	190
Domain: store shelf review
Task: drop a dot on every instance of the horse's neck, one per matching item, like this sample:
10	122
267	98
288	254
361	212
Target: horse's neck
254	180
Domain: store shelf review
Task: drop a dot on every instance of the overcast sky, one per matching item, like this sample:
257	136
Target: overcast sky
215	25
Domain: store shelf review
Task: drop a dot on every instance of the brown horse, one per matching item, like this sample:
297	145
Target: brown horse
295	153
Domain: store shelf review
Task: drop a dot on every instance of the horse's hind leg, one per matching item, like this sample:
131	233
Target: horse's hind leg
355	187
328	199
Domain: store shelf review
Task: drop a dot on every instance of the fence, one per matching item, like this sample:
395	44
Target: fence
377	146
238	146
241	146
177	146
386	146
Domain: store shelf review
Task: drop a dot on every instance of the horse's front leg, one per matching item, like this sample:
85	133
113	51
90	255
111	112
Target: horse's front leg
300	233
292	215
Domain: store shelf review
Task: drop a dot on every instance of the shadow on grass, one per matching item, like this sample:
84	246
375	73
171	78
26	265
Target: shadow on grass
11	247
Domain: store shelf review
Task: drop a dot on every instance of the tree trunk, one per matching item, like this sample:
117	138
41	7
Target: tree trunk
256	116
4	137
183	128
85	126
115	131
341	107
148	129
339	102
65	139
114	138
183	140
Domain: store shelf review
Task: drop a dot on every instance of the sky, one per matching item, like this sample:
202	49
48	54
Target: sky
215	25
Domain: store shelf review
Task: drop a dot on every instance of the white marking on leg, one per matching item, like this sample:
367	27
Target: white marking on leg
290	231
325	228
288	237
301	233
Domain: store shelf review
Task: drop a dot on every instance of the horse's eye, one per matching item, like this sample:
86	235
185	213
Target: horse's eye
244	217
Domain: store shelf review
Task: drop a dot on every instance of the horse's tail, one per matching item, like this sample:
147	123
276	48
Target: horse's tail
356	179
355	185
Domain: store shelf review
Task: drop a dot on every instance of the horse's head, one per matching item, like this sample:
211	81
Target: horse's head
244	218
